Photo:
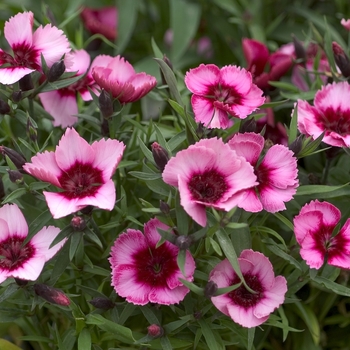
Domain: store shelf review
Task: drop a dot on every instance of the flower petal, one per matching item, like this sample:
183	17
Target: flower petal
18	29
60	205
12	221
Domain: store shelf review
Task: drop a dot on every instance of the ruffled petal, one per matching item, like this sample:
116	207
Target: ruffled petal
12	222
18	30
202	79
60	205
10	75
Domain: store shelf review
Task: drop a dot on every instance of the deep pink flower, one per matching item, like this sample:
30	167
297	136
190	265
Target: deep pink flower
28	47
330	114
102	20
81	170
247	309
219	92
276	173
208	174
23	261
345	23
313	229
62	103
143	273
117	76
258	58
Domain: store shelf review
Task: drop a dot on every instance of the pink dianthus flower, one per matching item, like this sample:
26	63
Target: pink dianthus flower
143	272
208	174
276	173
245	308
81	170
313	228
219	92
345	23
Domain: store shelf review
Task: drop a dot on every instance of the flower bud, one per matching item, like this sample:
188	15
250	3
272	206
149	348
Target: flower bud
183	242
341	59
155	331
106	104
164	207
102	303
248	125
51	294
299	49
16	158
78	223
170	65
4	107
26	83
297	145
210	289
31	131
160	155
16	96
56	70
15	176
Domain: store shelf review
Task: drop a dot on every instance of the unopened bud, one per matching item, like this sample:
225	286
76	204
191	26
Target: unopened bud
102	303
106	104
200	130
26	83
297	145
56	70
183	242
170	65
16	158
21	282
155	331
164	207
51	294
160	155
87	210
78	223
341	59
4	107
15	176
248	125
16	96
31	131
299	49
210	289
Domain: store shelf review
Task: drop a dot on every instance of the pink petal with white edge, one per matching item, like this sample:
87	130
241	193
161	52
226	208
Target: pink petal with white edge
4	274
10	75
247	145
165	296
307	119
220	119
345	23
31	269
108	154
73	148
202	79
62	105
59	205
273	298
121	70
250	202
273	199
306	224
152	235
43	239
333	96
203	110
81	62
126	285
173	279
313	257
44	167
245	317
125	246
339	251
238	79
12	222
19	29
101	61
51	43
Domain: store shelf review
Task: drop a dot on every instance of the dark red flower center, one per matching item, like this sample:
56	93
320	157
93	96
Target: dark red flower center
81	180
14	254
243	297
226	95
155	265
24	56
207	187
337	121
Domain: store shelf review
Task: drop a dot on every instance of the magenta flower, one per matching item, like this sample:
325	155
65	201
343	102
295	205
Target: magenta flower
276	173
102	20
143	272
258	57
345	23
82	171
247	309
28	47
330	114
313	229
19	260
117	76
219	92
62	104
209	174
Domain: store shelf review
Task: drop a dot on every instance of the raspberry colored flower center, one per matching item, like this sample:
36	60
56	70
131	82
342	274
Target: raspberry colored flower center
337	121
155	266
14	253
226	95
81	180
242	297
207	187
25	56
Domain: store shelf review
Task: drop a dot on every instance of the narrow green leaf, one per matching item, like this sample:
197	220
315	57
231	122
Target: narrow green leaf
145	176
311	321
192	287
251	335
84	340
17	193
156	50
321	191
293	126
181	260
333	286
212	342
285	221
59	84
279	252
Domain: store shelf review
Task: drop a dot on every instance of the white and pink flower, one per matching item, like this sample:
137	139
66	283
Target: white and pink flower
118	77
28	46
276	173
345	23
62	104
82	171
19	260
313	228
245	308
209	174
143	272
330	114
219	92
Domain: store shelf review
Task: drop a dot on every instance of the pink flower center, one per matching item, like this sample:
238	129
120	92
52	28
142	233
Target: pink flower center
25	56
337	121
81	180
242	297
155	266
14	253
207	187
226	95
